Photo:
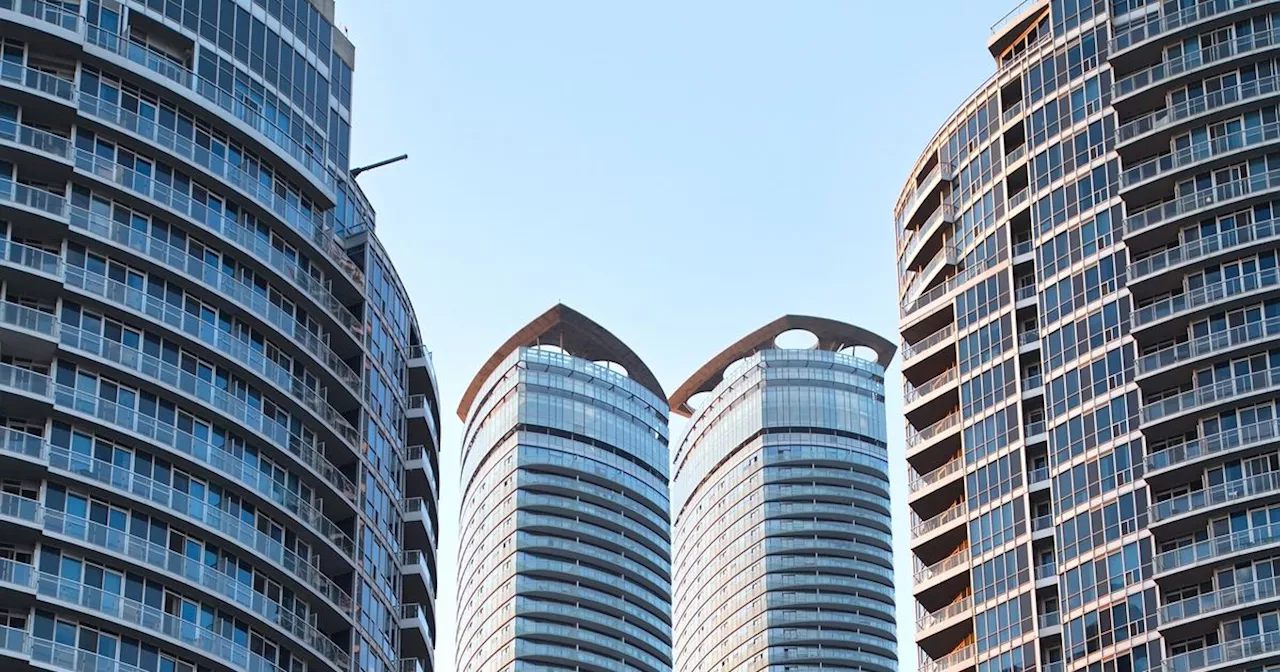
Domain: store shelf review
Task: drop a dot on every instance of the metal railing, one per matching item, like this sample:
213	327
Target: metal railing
1232	439
1033	428
1217	547
1191	203
1024	292
1192	60
1200	151
1049	571
1259	231
946	662
927	619
919	481
1040	475
1239	595
1216	495
1050	619
1016	155
911	393
1028	337
920	528
1267	643
924	573
1206	295
1154	25
1235	386
1220	341
1022	247
911	350
918	436
1193	106
1044	522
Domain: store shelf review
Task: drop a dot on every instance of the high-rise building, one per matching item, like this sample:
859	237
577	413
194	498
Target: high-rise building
1089	287
783	545
210	374
564	550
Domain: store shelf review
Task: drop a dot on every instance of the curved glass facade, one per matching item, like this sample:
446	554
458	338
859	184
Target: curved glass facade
1088	282
783	548
564	550
218	424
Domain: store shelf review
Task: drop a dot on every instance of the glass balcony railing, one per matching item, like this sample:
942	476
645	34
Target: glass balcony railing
32	198
58	15
924	573
1192	60
1016	155
1207	395
1035	428
16	74
1022	247
1239	595
1194	202
1263	86
920	481
1024	292
180	146
30	258
927	619
1201	151
945	210
1237	438
1012	113
15	316
1040	475
1221	341
1216	495
1019	198
945	256
912	393
917	436
1155	25
920	528
956	658
1265	644
1206	295
36	139
1029	337
1047	571
910	350
1050	619
1217	547
1258	232
1040	523
24	381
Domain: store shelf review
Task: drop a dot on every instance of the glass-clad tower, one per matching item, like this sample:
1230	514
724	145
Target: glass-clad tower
1088	275
783	545
210	374
564	549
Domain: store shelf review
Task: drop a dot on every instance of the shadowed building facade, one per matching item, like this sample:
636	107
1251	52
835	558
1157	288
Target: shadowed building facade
218	421
564	551
1088	252
783	544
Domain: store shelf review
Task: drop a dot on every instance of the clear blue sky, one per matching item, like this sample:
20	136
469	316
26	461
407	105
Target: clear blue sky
681	172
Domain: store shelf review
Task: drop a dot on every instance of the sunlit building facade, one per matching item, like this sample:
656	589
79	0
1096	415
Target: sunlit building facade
564	549
783	543
218	422
1087	253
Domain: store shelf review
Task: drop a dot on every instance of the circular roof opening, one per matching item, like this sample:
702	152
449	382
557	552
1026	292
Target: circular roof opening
547	347
698	401
796	339
862	352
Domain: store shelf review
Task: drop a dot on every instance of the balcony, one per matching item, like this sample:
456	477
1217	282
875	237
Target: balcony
418	584
942	568
1029	338
1196	154
1023	248
1210	395
1232	440
945	212
920	482
922	528
1210	295
943	380
1194	107
1229	652
1212	604
927	621
927	186
1041	524
1192	61
1050	623
911	351
417	639
919	439
1025	295
1201	201
1152	26
956	660
1172	357
422	420
1215	496
1038	478
1018	199
1047	574
35	81
1217	548
1012	158
1203	249
1035	432
419	528
945	257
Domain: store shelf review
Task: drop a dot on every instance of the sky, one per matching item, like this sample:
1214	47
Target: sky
680	172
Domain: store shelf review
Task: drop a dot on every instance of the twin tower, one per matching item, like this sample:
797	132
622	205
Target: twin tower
777	516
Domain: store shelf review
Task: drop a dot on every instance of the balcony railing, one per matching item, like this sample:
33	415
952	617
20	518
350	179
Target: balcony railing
1022	247
1265	230
1267	643
1198	105
1233	439
911	393
1239	595
1217	547
1205	198
1048	571
1016	155
919	481
927	619
1018	198
918	436
44	11
1201	151
1154	25
920	528
945	256
946	210
1217	392
1192	60
1042	523
43	82
1050	619
1029	337
946	662
1220	341
1032	382
910	350
1040	475
1024	292
1206	295
924	573
1012	113
34	138
1217	495
1033	428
